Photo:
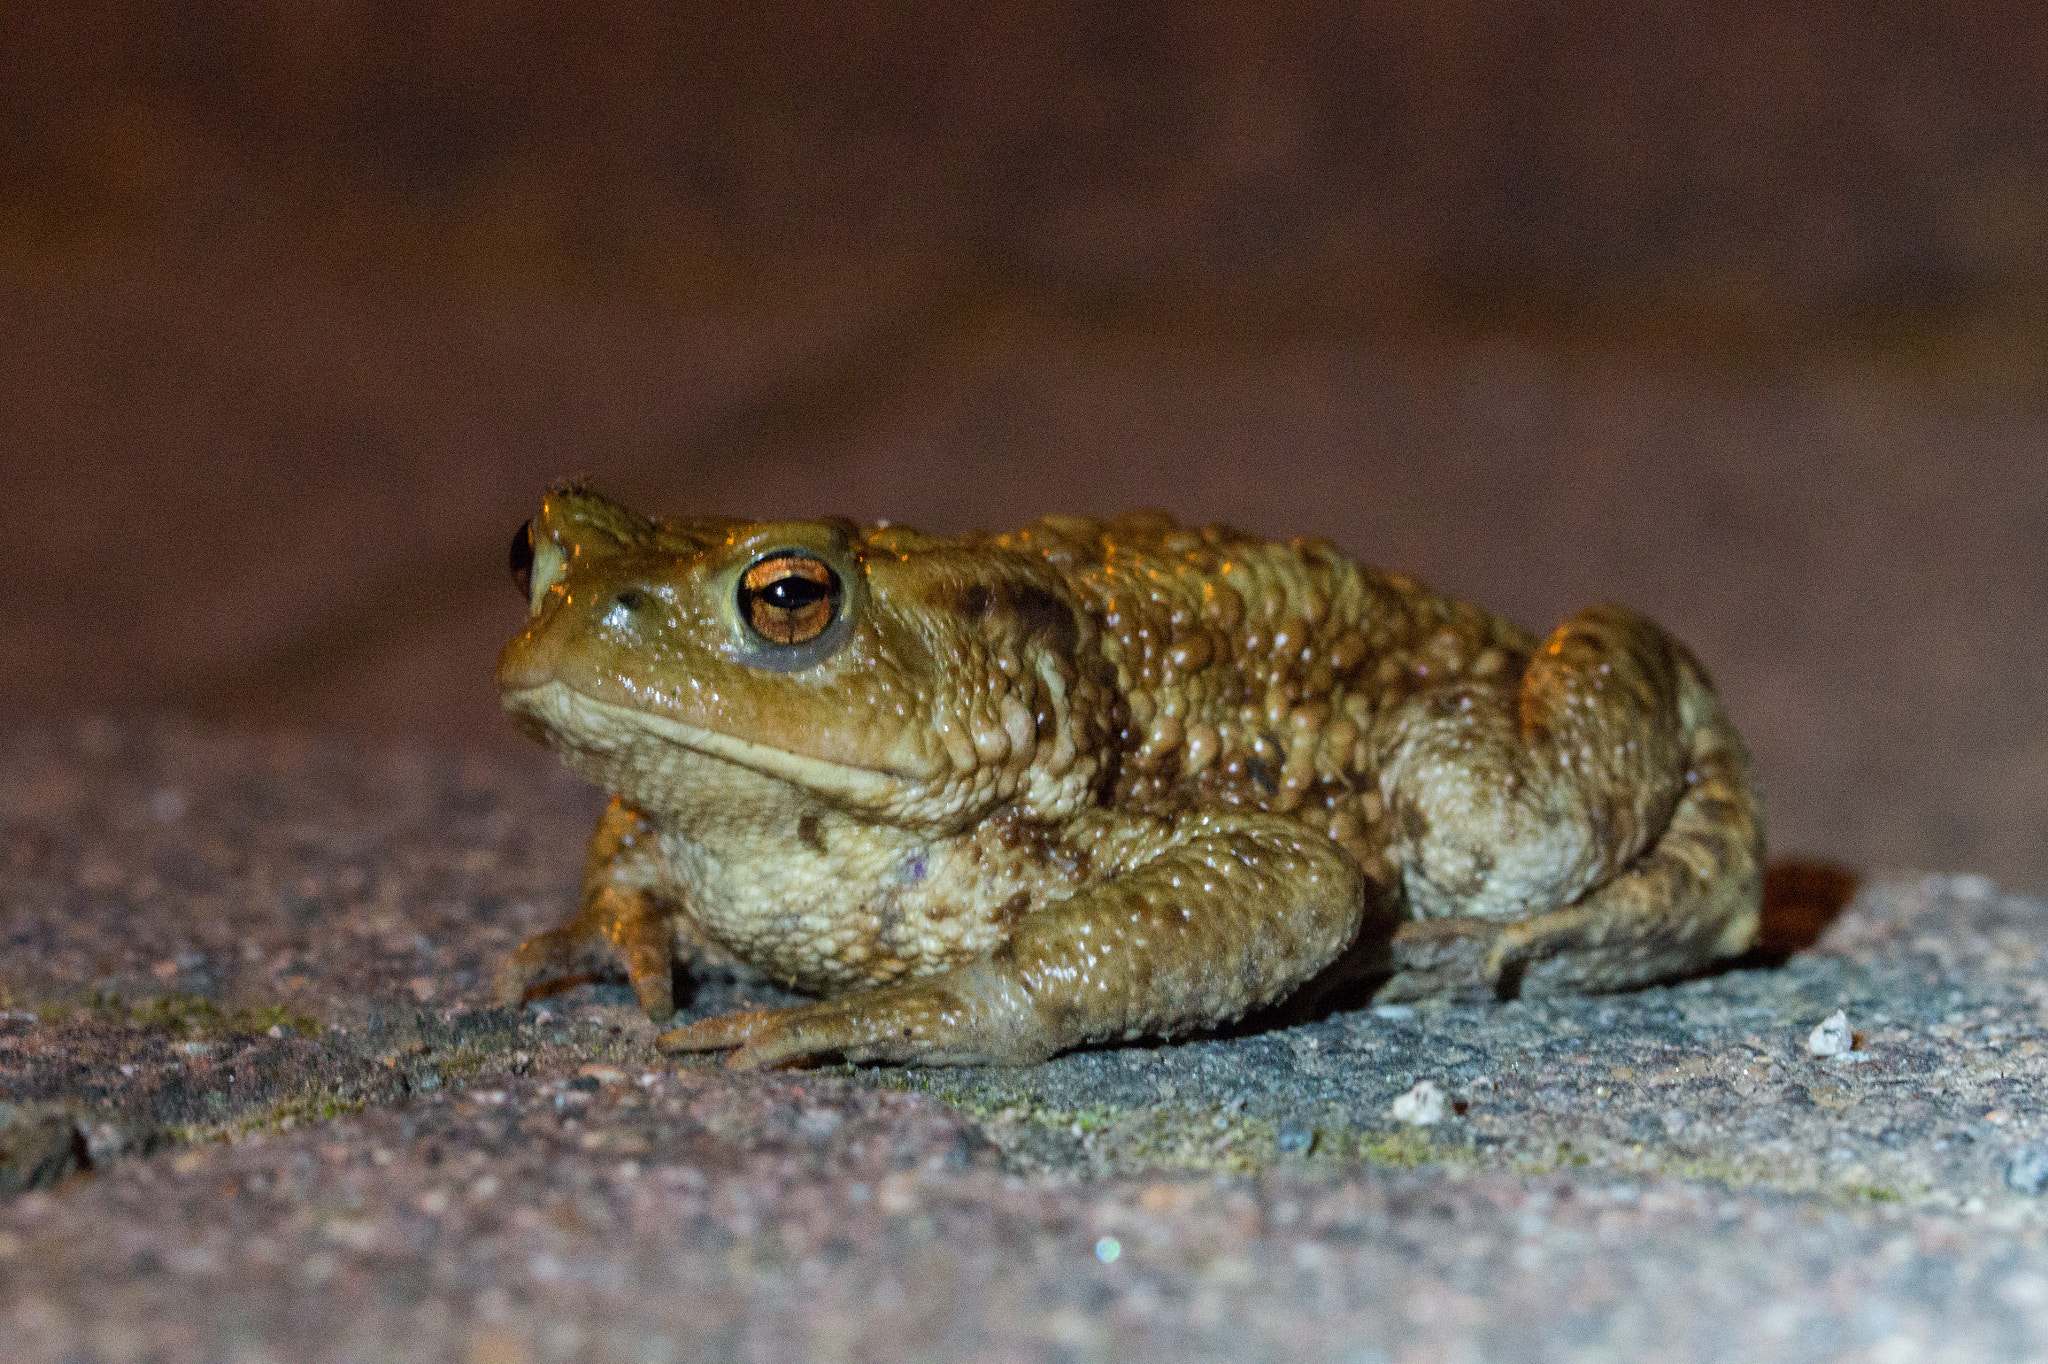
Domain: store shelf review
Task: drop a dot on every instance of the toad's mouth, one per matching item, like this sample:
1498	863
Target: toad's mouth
604	729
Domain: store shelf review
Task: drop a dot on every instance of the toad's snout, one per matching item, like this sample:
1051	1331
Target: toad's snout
532	659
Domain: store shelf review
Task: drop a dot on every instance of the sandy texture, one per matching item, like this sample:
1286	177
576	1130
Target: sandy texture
248	1013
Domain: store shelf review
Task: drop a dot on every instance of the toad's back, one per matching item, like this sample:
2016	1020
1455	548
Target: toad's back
1252	673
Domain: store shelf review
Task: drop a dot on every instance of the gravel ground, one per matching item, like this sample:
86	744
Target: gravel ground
263	1109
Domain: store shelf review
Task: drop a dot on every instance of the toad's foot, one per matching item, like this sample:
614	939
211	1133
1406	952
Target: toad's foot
616	930
970	1015
626	923
1473	959
1442	959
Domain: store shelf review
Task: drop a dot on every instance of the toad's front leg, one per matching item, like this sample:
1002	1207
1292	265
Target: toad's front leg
625	921
1212	915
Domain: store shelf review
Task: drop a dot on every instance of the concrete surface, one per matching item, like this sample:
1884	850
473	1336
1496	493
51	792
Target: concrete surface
264	1111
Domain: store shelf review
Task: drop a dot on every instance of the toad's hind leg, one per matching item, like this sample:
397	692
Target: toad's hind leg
1599	832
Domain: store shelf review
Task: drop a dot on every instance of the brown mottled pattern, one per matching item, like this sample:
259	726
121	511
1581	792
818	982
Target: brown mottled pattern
1251	673
1103	779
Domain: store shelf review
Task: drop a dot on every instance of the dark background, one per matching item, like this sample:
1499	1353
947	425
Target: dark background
1738	314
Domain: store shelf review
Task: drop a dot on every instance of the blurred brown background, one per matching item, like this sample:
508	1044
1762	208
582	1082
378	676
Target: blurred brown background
1736	314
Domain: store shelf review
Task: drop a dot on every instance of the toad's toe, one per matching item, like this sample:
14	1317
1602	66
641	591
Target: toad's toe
1443	958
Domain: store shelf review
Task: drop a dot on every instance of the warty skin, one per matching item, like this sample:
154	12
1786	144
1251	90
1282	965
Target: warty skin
992	797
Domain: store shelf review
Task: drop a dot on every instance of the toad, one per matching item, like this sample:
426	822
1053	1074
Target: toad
990	797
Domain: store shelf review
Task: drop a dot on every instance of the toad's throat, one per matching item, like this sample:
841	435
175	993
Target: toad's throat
584	722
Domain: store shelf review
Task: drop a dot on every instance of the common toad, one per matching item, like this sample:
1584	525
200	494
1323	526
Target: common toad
994	796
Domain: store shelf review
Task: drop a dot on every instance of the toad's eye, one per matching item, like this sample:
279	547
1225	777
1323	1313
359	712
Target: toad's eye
789	598
522	558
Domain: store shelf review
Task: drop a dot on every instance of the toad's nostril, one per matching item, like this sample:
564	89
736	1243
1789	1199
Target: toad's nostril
629	600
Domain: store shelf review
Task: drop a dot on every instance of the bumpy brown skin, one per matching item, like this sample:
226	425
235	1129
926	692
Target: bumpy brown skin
1103	779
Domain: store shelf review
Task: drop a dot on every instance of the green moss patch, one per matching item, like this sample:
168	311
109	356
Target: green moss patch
187	1017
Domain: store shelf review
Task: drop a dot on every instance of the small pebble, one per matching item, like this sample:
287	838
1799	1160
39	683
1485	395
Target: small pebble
1296	1138
818	1123
1421	1106
2027	1169
1972	886
1833	1037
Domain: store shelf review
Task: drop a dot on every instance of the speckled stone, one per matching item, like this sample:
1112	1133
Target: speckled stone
248	991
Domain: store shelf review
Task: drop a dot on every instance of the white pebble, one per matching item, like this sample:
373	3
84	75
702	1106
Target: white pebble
1421	1106
1833	1037
1972	886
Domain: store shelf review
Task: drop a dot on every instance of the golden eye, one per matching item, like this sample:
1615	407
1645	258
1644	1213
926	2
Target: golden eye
789	598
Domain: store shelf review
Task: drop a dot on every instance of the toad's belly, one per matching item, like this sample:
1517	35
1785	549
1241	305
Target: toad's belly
852	905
